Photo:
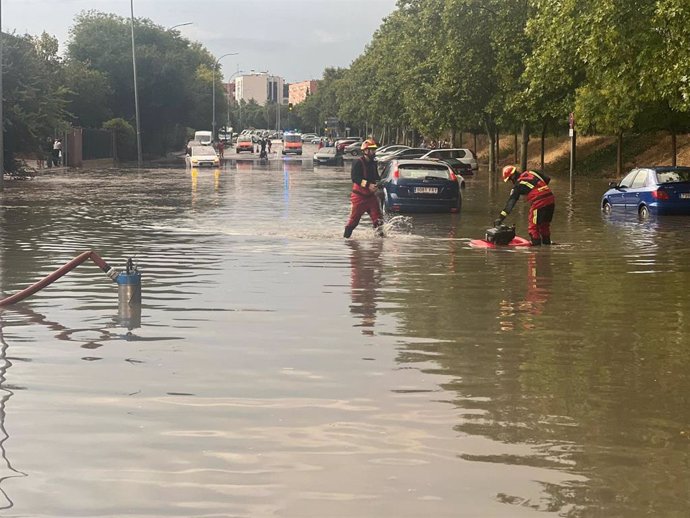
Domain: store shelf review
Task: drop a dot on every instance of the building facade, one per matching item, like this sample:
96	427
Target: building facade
261	87
299	91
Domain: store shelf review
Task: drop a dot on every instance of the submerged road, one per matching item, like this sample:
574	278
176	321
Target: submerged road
280	370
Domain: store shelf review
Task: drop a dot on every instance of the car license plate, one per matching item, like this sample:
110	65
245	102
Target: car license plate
426	190
685	195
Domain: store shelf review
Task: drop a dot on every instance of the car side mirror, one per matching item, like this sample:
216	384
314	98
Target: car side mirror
613	185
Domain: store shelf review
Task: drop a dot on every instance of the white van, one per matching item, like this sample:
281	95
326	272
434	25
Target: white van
205	138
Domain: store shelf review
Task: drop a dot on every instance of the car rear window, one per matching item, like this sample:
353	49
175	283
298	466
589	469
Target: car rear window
203	150
293	138
422	171
679	175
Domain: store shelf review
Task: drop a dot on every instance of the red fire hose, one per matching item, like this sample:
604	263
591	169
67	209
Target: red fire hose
110	272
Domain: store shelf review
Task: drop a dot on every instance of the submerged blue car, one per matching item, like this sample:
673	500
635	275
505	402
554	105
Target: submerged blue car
420	186
650	190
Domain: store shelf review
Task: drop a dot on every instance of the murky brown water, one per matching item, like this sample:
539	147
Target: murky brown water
280	370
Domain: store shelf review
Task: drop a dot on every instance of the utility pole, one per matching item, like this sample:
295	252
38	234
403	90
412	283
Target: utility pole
136	90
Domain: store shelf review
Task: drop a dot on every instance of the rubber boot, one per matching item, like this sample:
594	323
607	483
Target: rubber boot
348	231
536	241
546	240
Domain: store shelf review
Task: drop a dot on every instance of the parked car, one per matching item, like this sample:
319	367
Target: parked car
650	190
411	152
308	137
244	143
354	149
328	156
420	186
461	160
202	156
317	140
385	151
342	143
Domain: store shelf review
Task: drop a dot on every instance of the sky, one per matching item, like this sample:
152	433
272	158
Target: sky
294	39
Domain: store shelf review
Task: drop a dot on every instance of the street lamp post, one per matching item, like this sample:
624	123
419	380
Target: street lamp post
179	25
136	90
213	81
238	103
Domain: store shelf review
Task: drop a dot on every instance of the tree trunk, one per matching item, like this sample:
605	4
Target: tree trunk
523	146
491	134
452	137
515	148
674	149
474	151
543	138
619	155
498	149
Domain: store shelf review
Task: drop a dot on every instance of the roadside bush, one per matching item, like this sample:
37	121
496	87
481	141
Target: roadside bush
125	145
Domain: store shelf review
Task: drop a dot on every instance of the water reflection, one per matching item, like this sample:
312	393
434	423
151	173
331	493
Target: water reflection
5	395
366	274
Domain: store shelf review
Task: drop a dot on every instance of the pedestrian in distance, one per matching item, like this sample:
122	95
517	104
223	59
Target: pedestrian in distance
57	152
262	143
221	149
535	186
268	145
364	198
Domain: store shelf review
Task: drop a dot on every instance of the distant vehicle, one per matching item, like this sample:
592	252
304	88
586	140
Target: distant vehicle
202	156
307	137
420	186
454	156
292	143
328	156
342	143
385	151
244	143
650	190
317	140
412	152
354	149
205	138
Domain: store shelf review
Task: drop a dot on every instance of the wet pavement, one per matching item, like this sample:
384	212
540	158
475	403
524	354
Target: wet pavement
280	370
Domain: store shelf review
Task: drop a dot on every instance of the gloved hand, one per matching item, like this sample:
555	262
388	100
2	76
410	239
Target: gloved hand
498	222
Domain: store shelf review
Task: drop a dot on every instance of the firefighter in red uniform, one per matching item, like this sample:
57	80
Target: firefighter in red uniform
540	197
365	177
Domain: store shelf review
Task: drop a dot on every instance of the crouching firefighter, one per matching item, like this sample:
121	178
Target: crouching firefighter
540	197
365	178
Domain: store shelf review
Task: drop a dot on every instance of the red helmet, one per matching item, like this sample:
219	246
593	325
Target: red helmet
369	143
509	171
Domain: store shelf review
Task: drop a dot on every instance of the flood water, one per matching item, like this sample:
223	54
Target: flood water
281	371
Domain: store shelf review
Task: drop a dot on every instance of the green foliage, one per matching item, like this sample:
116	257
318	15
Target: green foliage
125	137
174	76
34	96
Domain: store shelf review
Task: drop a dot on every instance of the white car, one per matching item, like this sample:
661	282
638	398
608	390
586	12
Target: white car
202	156
460	154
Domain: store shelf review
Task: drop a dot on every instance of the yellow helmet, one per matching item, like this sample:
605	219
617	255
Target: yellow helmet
369	144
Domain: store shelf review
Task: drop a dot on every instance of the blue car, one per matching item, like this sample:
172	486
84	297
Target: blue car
650	190
420	186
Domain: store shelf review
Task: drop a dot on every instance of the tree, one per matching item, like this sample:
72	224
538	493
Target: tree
34	98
